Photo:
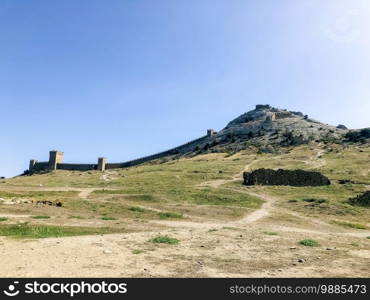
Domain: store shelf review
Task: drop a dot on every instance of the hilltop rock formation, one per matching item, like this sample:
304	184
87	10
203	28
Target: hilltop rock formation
281	127
269	128
285	177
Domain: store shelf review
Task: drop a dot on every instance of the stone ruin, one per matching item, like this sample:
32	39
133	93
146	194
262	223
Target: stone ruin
281	115
285	177
262	106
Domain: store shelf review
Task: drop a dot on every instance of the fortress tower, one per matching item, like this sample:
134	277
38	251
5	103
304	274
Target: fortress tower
211	132
55	157
33	162
102	161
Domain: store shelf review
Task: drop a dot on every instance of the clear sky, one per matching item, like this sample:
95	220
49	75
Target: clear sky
127	78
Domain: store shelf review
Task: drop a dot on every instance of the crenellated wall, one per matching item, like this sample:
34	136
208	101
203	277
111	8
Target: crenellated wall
141	160
77	167
56	158
40	166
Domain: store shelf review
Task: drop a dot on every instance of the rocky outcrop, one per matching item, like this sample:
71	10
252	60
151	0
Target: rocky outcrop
341	126
361	200
262	106
362	135
285	177
270	126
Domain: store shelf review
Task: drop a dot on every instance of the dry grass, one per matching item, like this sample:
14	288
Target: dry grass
160	190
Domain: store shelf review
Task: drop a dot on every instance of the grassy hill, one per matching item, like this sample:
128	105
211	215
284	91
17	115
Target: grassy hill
166	200
183	184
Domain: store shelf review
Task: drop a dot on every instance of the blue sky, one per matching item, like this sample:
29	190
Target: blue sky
124	78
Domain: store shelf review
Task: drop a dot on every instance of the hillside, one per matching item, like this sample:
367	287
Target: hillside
265	130
112	223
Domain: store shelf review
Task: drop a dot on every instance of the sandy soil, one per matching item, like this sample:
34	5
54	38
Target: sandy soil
230	249
234	249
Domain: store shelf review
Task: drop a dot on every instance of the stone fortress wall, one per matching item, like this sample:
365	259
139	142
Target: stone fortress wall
285	177
56	159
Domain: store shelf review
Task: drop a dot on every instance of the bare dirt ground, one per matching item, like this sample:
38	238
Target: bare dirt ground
232	249
263	243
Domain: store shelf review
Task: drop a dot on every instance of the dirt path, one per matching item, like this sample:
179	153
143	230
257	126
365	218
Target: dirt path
266	208
317	161
218	182
86	192
260	213
323	232
264	211
256	215
14	216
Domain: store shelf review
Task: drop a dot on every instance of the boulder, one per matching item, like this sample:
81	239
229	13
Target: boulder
341	126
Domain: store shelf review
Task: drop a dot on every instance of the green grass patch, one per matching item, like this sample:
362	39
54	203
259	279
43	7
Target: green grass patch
76	217
169	215
43	231
137	251
145	197
350	225
37	194
40	217
109	192
229	228
309	243
270	233
229	154
2	219
164	240
108	218
137	209
368	237
329	200
212	196
138	197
